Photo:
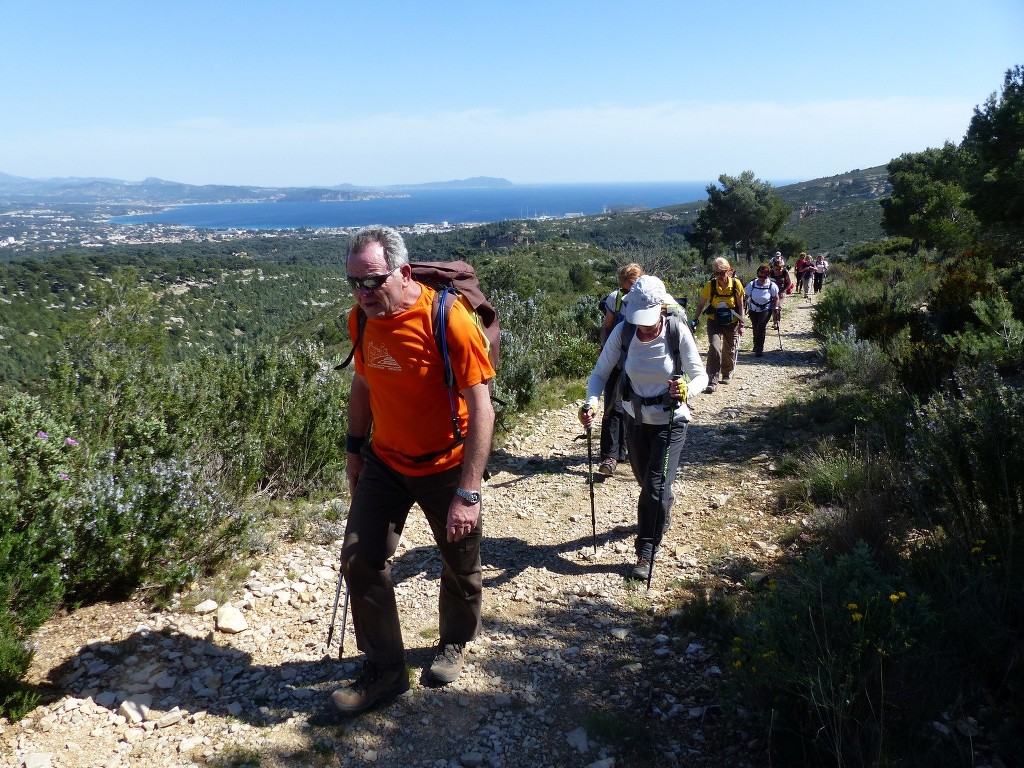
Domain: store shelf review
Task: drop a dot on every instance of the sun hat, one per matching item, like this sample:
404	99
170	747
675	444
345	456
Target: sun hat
642	305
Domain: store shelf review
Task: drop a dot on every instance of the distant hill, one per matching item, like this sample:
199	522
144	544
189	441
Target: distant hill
18	189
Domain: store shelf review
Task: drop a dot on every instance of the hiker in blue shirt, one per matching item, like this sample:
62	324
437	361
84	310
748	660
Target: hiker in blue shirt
613	425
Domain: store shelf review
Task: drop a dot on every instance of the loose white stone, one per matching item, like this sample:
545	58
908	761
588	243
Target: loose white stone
205	607
230	620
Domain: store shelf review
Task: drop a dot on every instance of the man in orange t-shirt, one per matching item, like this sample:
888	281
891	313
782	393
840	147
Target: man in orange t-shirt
414	457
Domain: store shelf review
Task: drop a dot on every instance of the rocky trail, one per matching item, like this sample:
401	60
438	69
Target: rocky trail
576	665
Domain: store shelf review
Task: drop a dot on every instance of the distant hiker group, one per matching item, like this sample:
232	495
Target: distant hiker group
420	425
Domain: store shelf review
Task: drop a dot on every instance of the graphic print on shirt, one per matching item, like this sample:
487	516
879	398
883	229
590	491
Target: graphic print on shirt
379	357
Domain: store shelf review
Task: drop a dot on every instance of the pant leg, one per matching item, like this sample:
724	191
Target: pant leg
461	593
376	519
759	325
713	366
647	449
729	341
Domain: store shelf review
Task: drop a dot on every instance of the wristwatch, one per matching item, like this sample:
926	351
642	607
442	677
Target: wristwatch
473	497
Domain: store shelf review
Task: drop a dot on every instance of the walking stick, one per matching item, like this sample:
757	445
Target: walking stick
590	479
334	614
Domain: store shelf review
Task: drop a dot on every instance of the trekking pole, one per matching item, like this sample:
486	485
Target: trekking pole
334	613
590	479
590	476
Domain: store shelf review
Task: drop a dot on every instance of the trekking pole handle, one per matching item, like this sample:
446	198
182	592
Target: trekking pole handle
584	410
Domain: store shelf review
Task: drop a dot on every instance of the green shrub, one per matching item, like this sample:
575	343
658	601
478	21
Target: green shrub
156	524
37	459
965	448
829	657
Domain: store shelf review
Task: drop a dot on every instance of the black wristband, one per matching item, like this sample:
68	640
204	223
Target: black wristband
354	444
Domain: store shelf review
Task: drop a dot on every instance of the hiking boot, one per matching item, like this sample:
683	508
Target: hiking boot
709	389
607	466
642	569
372	685
448	663
726	379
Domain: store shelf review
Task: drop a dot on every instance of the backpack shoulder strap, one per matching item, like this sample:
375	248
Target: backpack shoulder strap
628	332
674	322
358	343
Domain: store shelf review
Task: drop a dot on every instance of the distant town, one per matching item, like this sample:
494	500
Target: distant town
55	215
54	228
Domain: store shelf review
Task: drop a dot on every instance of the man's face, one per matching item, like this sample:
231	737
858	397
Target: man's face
382	301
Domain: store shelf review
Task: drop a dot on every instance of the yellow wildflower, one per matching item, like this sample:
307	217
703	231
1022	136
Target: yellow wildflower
856	616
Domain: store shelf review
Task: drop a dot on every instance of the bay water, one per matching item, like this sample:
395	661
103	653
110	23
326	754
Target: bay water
432	206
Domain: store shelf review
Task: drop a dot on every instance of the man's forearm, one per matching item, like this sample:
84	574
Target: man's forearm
479	435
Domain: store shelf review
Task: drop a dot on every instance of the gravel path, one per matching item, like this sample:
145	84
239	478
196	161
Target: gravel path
576	666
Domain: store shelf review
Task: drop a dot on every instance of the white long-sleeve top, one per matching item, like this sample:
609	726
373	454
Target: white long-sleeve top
649	365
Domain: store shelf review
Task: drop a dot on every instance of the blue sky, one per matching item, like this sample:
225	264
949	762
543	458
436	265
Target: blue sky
323	92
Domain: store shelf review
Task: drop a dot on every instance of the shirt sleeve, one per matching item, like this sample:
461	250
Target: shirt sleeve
605	365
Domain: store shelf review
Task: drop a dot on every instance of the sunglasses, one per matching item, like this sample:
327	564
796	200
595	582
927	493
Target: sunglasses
721	272
370	282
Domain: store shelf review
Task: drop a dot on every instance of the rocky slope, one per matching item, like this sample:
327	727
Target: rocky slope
576	666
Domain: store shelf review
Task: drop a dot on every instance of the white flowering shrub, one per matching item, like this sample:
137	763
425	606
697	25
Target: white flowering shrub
153	524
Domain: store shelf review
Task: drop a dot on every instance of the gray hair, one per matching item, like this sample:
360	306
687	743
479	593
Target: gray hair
390	239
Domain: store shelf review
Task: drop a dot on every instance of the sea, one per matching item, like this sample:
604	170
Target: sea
432	206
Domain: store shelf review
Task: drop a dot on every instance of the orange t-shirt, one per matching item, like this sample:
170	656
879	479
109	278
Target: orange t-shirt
412	415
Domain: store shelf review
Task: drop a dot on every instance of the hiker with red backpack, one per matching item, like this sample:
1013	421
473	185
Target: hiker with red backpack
723	297
613	424
425	448
661	371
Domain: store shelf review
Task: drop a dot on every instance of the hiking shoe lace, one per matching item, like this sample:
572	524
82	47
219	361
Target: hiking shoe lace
447	665
372	685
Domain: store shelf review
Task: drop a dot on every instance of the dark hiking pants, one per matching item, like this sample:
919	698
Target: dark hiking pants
647	446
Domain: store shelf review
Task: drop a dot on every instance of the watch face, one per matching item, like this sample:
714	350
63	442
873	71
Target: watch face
471	496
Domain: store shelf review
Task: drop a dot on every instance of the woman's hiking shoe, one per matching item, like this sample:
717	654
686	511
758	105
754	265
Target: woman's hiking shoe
607	466
726	379
448	663
709	389
372	685
642	569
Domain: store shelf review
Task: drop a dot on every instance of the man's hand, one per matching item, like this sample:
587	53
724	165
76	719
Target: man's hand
353	469
462	518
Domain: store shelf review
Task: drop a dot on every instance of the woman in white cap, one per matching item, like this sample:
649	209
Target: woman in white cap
661	371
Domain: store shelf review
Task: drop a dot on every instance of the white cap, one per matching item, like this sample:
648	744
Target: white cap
643	302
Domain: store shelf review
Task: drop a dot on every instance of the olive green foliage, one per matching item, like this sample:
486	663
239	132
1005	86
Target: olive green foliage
966	450
37	455
993	160
928	203
940	195
743	213
830	656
